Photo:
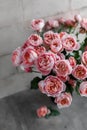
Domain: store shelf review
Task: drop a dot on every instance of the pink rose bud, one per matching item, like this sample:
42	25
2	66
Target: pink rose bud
61	20
84	23
72	82
84	58
37	24
53	23
78	18
63	100
42	111
83	89
70	22
72	61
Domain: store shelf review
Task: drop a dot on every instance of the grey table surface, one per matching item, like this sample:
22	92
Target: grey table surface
18	112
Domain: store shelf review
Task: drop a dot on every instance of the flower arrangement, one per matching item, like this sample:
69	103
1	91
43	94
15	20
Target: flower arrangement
58	51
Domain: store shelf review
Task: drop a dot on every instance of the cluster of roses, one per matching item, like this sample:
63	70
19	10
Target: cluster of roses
51	52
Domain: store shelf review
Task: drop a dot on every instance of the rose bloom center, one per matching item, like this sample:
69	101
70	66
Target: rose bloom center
52	87
80	72
64	101
70	43
62	68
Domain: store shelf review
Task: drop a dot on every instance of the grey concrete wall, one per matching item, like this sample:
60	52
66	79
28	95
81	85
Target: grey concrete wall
15	17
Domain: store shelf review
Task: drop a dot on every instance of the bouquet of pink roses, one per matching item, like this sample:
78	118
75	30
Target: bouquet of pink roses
58	51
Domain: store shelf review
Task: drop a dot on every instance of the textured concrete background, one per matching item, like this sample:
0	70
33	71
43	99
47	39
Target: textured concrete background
15	17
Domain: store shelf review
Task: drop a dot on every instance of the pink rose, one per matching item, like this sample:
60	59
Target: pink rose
63	100
56	46
69	43
35	40
78	18
37	24
45	63
72	61
63	68
84	23
83	89
16	57
29	56
50	36
40	49
84	58
42	111
80	72
53	23
51	86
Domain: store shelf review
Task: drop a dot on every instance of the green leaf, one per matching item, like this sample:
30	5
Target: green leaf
53	112
34	83
83	44
69	88
77	87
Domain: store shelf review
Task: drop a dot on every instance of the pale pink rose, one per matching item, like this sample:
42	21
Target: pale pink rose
83	89
79	72
69	43
78	18
17	57
29	56
72	61
70	22
35	40
56	46
38	24
53	23
63	100
42	111
63	68
40	49
45	63
51	86
50	36
84	23
84	58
